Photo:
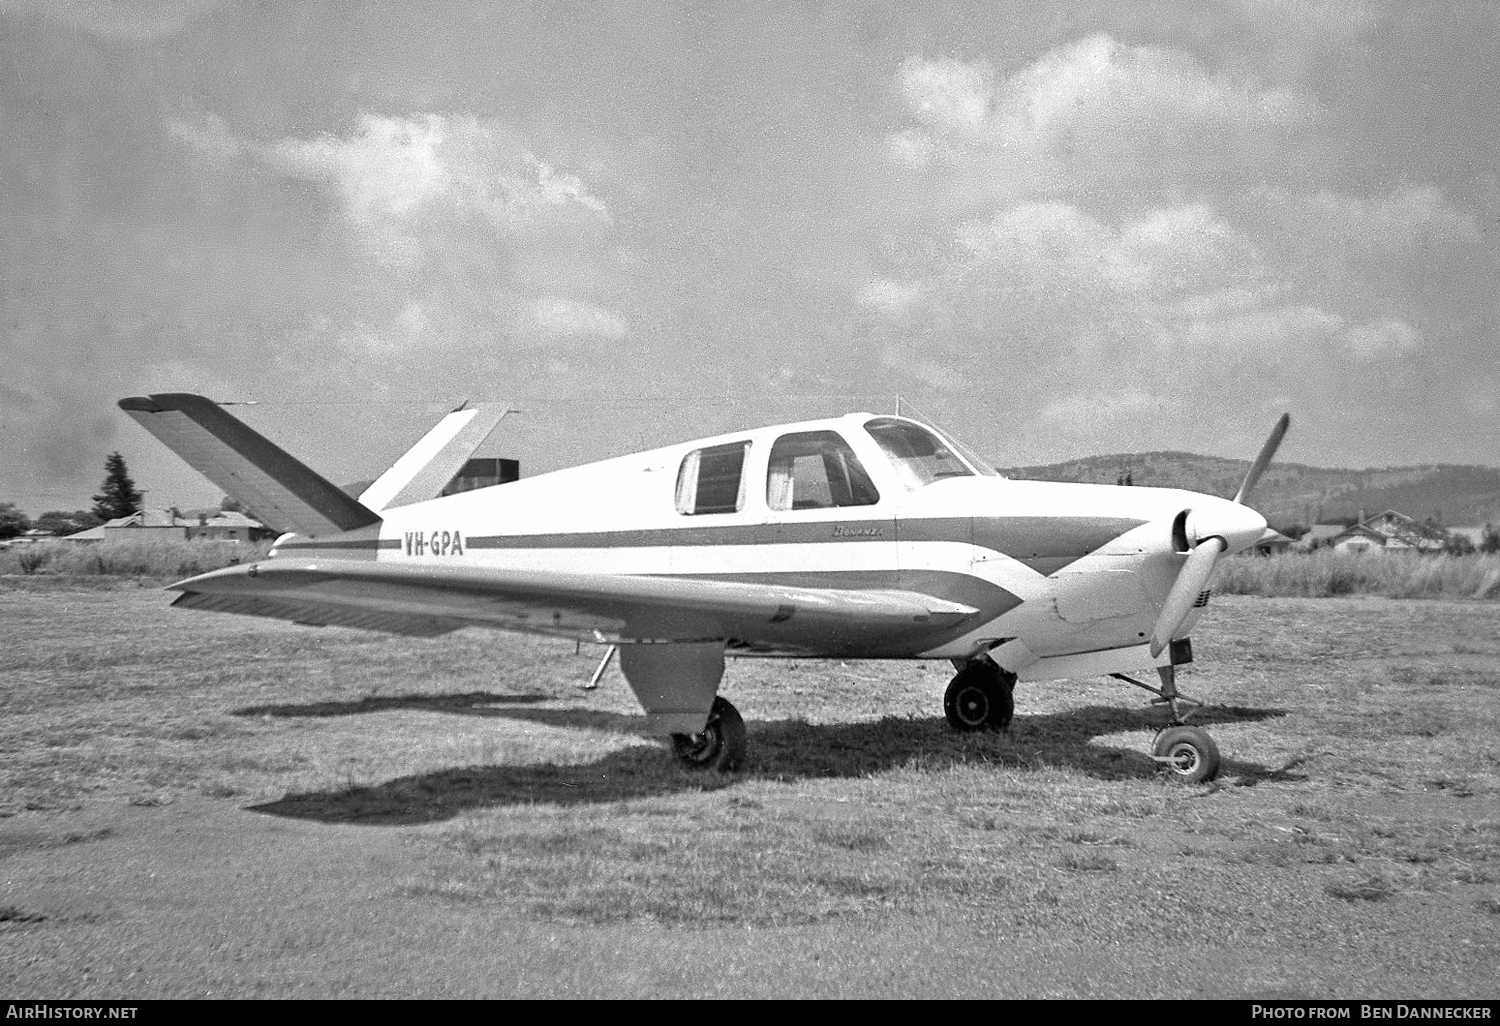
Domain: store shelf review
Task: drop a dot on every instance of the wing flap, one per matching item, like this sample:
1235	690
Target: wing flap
316	614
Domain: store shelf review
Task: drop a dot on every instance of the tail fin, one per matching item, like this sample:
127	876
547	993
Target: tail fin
430	464
282	492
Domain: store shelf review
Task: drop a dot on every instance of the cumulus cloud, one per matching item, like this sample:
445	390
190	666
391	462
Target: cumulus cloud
1178	294
890	297
1095	107
1130	215
1167	263
566	317
401	167
469	234
388	168
1188	250
1384	337
1261	333
208	135
950	96
1396	219
396	172
1097	86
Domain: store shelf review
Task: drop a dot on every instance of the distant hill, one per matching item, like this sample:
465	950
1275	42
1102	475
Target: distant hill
1292	493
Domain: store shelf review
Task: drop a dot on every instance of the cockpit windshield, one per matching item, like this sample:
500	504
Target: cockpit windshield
918	456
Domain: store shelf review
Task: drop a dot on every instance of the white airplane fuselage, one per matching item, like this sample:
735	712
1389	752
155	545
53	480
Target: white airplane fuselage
1076	574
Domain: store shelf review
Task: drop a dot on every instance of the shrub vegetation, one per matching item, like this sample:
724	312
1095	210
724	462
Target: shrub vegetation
155	557
1320	574
1326	573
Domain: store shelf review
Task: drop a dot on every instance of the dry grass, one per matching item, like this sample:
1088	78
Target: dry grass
152	558
1361	774
1326	573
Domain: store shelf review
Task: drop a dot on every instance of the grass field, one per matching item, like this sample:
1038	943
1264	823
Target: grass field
1351	846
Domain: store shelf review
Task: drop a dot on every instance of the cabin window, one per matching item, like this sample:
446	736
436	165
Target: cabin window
712	480
918	456
816	470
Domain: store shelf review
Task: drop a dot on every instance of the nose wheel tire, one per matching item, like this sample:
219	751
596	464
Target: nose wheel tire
1188	754
978	698
719	746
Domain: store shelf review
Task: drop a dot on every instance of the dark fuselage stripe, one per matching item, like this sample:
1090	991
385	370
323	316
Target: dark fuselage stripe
990	599
1047	544
1019	537
348	544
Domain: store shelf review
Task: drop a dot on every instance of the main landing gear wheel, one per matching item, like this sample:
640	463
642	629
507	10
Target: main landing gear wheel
1187	753
979	698
720	746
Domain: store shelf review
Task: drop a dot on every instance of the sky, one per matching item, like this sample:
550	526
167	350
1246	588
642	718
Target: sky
1053	230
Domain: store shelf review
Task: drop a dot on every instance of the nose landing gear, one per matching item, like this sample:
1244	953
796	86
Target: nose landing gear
1186	753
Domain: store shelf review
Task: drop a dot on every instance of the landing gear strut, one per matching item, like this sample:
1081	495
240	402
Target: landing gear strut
1186	753
719	746
979	697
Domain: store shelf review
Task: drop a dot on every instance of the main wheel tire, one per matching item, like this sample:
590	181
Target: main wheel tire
979	698
1187	754
720	746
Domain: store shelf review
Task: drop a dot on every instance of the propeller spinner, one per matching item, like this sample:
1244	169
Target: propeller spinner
1216	528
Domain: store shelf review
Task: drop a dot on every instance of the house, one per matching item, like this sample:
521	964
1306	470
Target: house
1319	536
1358	538
93	534
225	525
163	523
1272	541
1390	531
31	537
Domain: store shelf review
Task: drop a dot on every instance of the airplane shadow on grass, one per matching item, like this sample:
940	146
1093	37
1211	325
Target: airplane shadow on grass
779	750
474	703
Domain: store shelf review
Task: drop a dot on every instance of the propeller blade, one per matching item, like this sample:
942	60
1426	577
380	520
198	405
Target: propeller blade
1267	452
1191	582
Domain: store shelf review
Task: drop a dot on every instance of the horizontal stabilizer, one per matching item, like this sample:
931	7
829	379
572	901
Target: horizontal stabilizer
430	464
282	492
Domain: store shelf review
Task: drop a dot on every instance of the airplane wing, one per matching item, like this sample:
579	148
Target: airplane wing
431	600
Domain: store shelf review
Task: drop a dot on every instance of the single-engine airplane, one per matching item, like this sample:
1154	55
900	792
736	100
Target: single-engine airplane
863	536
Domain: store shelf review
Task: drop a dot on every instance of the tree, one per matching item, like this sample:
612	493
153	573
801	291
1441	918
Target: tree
60	522
118	497
1489	543
12	520
1457	544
